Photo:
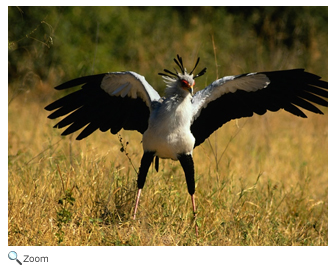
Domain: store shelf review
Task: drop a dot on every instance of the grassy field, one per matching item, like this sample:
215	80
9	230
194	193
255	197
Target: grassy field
259	181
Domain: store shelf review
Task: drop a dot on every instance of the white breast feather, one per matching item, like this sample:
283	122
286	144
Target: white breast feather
168	133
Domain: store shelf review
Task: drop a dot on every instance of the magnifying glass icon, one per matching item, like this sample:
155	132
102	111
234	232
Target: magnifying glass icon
13	256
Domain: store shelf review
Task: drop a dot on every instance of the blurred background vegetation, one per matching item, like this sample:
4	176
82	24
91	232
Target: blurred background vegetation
51	44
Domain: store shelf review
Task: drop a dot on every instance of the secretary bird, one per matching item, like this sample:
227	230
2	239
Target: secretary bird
173	125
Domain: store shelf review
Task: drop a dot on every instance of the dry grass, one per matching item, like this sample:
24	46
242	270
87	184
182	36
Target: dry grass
259	181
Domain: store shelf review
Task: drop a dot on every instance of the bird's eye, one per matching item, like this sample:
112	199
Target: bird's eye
184	83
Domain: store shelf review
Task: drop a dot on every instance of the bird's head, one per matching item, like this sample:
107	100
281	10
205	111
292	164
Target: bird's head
181	81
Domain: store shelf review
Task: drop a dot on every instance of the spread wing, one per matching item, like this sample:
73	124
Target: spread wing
109	101
234	97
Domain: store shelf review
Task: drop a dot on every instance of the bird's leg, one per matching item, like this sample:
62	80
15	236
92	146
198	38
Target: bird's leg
137	202
187	164
194	210
146	161
157	163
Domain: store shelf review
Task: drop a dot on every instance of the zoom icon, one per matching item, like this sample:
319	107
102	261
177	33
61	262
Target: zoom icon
13	256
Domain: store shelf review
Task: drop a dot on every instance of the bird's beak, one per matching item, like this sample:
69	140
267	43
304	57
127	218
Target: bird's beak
191	90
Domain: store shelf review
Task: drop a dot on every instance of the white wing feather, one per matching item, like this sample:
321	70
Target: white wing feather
229	84
129	84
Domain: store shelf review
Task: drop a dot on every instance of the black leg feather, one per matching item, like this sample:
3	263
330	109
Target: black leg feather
187	164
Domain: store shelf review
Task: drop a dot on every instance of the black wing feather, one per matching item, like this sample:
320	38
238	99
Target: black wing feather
288	90
91	107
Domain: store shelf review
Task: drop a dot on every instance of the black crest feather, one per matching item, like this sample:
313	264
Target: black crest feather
179	63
